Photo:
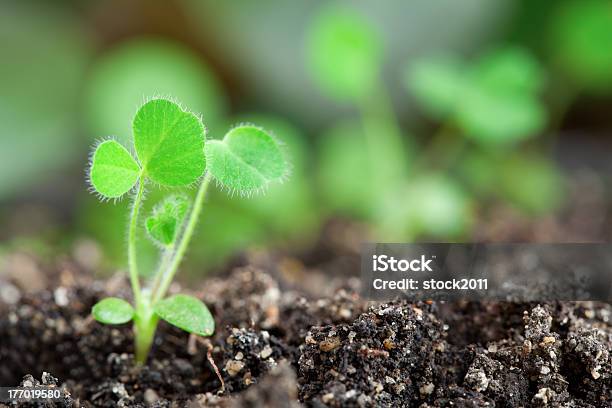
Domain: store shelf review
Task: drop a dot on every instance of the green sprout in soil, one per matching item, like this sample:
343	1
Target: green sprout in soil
171	152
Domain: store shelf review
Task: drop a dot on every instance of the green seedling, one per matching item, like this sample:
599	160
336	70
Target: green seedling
346	54
172	152
116	83
493	100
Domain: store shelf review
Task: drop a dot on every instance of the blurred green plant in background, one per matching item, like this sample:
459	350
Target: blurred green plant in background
415	129
580	38
367	162
495	103
367	169
493	100
345	53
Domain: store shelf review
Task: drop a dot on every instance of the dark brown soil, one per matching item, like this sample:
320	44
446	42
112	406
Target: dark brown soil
278	346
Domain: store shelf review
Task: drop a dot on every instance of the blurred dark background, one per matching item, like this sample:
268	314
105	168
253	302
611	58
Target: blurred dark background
405	120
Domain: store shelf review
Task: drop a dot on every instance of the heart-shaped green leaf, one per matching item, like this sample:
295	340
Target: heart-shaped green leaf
169	143
113	170
112	311
187	313
163	225
246	160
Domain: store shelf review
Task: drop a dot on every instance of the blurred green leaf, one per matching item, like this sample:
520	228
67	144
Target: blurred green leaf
489	116
113	170
437	83
126	75
493	100
344	53
436	206
169	143
581	41
509	70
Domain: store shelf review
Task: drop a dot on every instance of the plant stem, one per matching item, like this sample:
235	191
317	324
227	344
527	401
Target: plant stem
388	153
184	242
163	265
145	323
132	262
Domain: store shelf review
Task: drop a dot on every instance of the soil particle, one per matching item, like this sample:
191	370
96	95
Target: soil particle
278	388
251	299
49	381
505	386
348	364
278	347
249	355
588	362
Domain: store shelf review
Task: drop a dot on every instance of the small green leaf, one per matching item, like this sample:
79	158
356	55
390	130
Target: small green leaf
509	70
440	207
112	311
345	53
246	160
169	143
491	117
163	225
437	83
113	170
493	100
187	313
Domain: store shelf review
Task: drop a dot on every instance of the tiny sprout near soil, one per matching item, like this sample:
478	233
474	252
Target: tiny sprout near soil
172	151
